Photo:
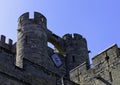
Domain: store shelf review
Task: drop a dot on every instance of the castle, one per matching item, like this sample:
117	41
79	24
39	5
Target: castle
30	61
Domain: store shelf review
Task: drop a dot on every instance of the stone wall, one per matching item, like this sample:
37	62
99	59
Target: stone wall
30	61
105	70
30	74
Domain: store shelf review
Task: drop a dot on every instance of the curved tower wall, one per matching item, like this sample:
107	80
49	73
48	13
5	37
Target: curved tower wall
76	50
32	40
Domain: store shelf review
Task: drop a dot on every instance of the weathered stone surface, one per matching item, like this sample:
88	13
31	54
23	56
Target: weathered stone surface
30	62
105	70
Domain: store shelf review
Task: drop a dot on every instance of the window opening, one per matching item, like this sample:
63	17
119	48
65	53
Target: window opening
73	58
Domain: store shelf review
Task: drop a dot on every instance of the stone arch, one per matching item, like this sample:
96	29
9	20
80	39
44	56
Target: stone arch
56	41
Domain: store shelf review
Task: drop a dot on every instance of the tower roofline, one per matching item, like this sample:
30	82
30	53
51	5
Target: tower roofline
38	19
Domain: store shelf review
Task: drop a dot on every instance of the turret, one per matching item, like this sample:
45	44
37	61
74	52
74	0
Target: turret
6	46
32	40
76	51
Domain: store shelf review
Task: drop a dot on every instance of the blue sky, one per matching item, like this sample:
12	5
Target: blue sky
97	20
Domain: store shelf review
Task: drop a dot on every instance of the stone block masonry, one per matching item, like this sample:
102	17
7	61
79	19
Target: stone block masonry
30	61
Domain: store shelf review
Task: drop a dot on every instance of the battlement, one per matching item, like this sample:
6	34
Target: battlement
74	36
32	62
79	37
38	19
6	45
67	36
75	40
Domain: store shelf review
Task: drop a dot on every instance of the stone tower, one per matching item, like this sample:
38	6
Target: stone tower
32	40
35	63
76	51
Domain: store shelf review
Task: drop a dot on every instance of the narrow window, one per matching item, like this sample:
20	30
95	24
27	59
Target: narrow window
73	58
110	74
26	39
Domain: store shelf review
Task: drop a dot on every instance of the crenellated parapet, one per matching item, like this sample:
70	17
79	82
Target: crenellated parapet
79	37
30	61
74	40
74	36
67	37
7	46
38	19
